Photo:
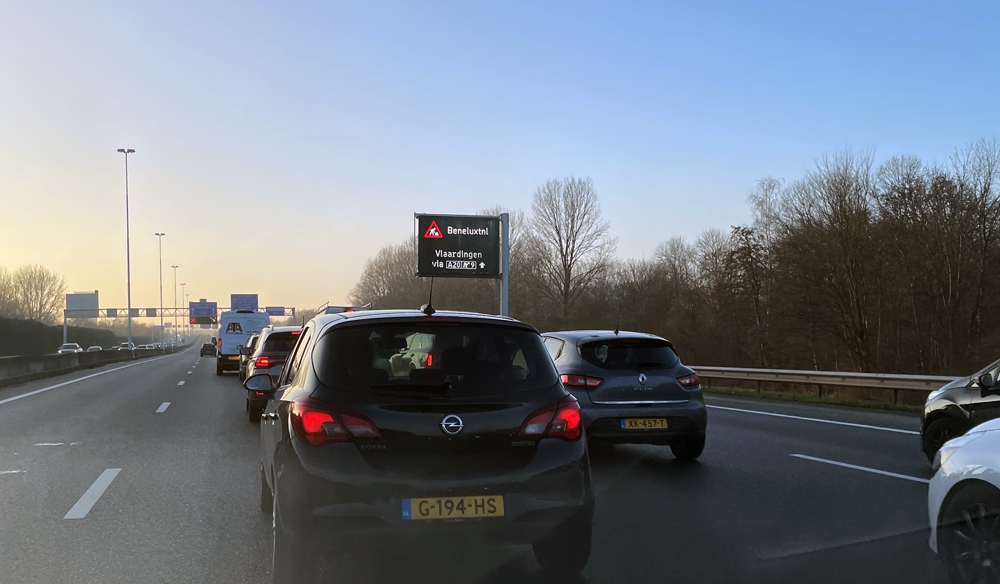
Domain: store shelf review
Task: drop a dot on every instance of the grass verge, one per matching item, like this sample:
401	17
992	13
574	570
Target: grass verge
813	399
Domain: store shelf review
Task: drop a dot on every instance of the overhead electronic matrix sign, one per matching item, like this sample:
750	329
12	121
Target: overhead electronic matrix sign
203	312
458	246
243	302
275	310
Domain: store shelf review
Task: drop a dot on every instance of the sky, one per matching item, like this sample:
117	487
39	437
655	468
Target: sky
280	145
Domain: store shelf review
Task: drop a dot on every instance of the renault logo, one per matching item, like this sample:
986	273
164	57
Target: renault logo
452	424
642	378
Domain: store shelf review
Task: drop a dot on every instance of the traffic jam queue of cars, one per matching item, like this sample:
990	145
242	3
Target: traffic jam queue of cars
458	424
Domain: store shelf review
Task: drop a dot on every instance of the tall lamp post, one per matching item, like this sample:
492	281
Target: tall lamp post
128	249
186	320
175	302
159	237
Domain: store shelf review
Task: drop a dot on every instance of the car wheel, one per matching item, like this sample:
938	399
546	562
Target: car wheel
218	367
266	499
256	411
290	564
566	549
689	449
940	431
969	534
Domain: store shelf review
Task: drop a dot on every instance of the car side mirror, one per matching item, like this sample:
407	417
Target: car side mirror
244	350
985	383
260	383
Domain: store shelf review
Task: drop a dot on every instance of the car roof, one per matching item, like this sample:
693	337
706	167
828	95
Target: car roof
325	320
586	336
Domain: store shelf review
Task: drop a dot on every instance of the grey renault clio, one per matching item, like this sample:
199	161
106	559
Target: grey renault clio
632	388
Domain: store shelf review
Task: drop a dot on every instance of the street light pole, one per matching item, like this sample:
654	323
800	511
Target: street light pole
128	250
175	302
186	320
159	237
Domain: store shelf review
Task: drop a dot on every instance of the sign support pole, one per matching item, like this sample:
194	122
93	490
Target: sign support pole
505	264
65	328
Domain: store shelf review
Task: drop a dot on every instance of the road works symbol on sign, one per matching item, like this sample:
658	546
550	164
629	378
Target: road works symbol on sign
433	231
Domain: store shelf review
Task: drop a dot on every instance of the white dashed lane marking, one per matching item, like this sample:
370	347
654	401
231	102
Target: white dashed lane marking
89	499
861	468
163	407
180	383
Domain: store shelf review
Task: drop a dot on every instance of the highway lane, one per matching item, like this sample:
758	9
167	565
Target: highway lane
183	507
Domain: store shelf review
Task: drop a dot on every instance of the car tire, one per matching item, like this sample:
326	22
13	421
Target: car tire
255	412
940	431
566	549
689	449
266	499
290	563
218	367
968	527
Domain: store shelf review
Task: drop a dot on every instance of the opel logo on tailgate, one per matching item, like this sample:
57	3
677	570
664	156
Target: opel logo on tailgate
642	378
452	424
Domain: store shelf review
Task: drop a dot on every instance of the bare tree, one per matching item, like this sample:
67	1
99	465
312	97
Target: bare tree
8	298
571	238
387	280
39	292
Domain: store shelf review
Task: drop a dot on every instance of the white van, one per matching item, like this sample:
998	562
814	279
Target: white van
235	328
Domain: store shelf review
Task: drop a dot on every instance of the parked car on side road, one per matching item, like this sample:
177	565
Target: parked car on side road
632	389
488	447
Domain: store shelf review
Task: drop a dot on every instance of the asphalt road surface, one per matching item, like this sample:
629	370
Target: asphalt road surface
149	473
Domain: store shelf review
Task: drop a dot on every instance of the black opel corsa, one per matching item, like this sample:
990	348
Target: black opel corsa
478	441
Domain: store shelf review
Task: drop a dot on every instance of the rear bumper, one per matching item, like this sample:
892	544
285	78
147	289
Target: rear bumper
684	421
227	363
331	506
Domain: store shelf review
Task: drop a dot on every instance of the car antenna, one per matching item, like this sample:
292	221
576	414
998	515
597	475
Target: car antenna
427	308
616	329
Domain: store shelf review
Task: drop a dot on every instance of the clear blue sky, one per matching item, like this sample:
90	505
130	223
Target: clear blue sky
330	123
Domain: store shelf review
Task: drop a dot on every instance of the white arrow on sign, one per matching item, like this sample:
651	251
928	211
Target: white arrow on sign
482	265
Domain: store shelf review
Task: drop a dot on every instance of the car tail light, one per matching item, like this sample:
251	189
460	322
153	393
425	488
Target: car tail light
430	359
689	381
317	423
262	362
580	381
559	420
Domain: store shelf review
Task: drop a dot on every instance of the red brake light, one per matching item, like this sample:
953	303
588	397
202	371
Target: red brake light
296	332
559	420
316	423
581	381
430	359
689	381
262	362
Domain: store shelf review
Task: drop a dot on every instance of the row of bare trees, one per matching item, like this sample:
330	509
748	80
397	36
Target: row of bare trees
853	266
32	292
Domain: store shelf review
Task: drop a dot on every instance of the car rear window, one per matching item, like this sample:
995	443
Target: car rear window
623	354
280	342
434	361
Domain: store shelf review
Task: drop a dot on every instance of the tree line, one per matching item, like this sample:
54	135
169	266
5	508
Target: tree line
32	292
853	266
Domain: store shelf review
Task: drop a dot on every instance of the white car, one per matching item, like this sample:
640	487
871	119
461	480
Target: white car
963	503
69	348
94	349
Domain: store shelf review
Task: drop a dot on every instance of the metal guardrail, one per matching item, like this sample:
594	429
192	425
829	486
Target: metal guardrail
887	381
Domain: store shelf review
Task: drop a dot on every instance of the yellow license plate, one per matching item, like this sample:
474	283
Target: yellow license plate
453	507
236	358
644	424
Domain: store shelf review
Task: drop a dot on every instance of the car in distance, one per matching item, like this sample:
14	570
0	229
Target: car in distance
94	349
268	356
489	446
632	388
963	503
126	347
67	348
245	354
958	406
235	328
207	350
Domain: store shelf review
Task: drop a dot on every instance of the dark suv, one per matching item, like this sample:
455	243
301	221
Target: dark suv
271	348
207	350
632	388
487	447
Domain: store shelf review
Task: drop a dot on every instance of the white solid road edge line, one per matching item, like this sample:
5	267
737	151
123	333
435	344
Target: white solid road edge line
89	499
163	407
85	377
865	426
180	383
862	468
